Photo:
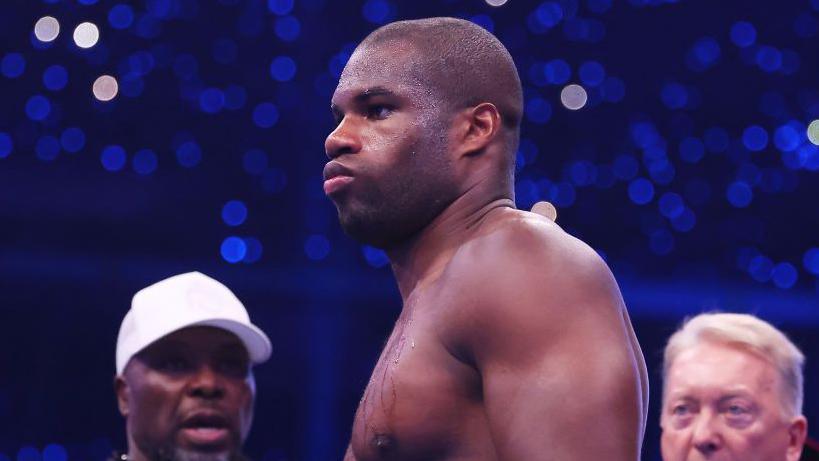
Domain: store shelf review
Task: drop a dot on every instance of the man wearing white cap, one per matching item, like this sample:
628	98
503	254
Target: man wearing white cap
184	382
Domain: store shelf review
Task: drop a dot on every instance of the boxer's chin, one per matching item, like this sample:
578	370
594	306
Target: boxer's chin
182	454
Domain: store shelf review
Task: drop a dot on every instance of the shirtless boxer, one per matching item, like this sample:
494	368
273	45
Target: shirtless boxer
513	342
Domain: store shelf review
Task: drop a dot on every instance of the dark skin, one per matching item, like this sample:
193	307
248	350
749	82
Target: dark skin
513	342
188	396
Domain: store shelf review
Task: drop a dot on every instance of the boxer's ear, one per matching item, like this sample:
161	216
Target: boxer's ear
476	127
545	209
122	391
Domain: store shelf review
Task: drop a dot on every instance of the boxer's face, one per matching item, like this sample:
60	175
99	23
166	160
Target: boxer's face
723	403
390	171
189	396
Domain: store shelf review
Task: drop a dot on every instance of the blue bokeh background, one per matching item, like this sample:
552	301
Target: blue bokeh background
689	169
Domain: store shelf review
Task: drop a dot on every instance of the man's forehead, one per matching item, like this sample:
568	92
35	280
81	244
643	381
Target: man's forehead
381	67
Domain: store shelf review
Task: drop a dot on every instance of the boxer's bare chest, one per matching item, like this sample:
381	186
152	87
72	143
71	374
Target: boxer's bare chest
421	402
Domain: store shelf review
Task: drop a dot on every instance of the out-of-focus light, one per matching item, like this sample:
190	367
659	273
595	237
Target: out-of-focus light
640	191
598	6
674	95
113	158
283	68
496	2
105	88
211	100
377	11
591	73
557	71
55	77
54	452
28	454
784	275
47	148
255	161
254	250
280	7
685	221
38	107
375	257
265	115
743	34
538	110
13	65
755	138
86	35
234	213
813	132
548	14
692	149
739	194
661	242
72	140
787	138
6	145
46	29
703	54
235	97
121	16
671	205
287	28
317	247
811	261
189	154
233	249
760	268
160	9
769	58
144	162
573	97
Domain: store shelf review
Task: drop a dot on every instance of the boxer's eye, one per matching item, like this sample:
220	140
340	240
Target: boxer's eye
173	364
378	111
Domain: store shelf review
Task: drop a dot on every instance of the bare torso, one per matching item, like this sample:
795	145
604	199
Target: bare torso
425	399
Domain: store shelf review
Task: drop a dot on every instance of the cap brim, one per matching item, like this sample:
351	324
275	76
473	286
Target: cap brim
257	343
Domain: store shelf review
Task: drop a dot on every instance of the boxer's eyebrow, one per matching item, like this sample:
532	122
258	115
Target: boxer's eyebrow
373	92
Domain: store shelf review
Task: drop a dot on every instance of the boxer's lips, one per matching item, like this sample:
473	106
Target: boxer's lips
336	177
206	429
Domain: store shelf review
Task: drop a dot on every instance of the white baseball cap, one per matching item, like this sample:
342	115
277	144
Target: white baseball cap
186	300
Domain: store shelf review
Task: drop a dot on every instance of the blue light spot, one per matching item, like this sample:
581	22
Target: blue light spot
253	251
739	194
283	68
769	59
273	180
38	107
592	73
160	9
212	100
54	452
784	275
755	138
6	145
662	171
787	138
265	115
234	213
692	150
613	89
716	139
141	62
87	2
526	193
113	158
47	148
235	97
374	257
538	110
674	95
811	261
144	162
280	7
317	247
548	14
625	167
528	149
583	173
147	26
644	134
484	21
707	50
233	249
55	77
255	161
640	191
685	221
377	11
72	139
661	242
671	205
189	154
224	51
760	268
743	34
13	65
563	194
121	16
28	454
557	71
287	28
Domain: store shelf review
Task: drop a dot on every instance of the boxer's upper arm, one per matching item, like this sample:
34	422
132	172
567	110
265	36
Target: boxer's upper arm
558	373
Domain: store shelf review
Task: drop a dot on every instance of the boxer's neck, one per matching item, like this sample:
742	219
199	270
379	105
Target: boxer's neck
422	258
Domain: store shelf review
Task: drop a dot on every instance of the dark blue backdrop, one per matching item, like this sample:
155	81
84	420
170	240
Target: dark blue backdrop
690	169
